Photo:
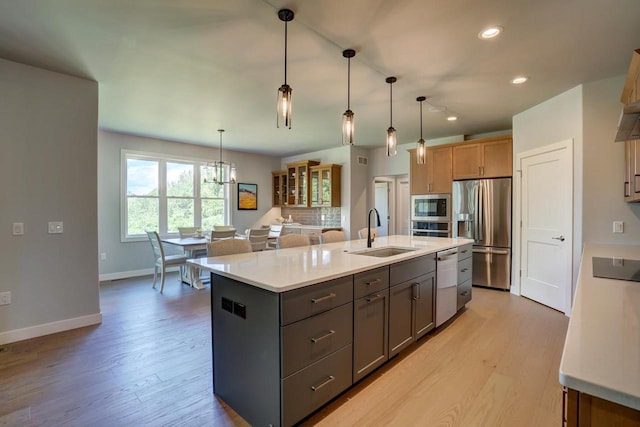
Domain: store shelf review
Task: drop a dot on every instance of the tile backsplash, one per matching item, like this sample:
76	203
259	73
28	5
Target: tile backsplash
324	217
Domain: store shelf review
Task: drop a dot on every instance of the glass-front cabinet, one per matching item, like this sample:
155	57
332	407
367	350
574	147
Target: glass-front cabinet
279	196
297	183
325	185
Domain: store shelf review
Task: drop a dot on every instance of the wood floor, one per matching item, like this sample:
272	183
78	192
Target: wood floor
149	363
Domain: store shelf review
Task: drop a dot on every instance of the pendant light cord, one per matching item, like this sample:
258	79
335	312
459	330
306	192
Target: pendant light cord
420	119
285	52
348	83
390	104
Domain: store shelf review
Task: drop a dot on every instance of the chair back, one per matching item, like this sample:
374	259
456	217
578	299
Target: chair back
228	247
258	238
223	234
224	227
289	230
187	231
156	245
293	240
362	233
332	236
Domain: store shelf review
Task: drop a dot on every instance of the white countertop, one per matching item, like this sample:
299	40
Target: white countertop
601	354
282	270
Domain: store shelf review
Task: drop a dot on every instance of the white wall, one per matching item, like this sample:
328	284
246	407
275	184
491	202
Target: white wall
603	200
134	258
557	119
48	125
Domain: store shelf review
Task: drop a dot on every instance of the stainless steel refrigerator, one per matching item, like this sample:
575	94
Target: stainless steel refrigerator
482	212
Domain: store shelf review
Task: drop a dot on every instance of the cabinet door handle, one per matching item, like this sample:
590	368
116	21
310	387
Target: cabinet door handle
374	298
324	298
372	282
320	338
323	383
635	183
464	270
626	188
464	294
416	291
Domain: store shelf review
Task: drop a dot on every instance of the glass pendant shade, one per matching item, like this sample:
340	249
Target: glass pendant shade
347	128
421	152
392	142
284	106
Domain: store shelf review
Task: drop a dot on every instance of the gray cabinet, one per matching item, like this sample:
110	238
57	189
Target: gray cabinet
465	265
411	301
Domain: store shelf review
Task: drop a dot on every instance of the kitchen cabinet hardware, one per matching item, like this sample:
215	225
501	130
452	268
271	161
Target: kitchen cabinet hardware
324	298
375	298
323	383
320	338
372	282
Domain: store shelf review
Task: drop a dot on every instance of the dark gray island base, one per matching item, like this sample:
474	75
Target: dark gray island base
278	357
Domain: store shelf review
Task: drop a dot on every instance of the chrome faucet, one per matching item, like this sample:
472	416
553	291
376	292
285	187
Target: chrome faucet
369	239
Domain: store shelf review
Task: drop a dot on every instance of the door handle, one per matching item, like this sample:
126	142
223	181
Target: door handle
561	238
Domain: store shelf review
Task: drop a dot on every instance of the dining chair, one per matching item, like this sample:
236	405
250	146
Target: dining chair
362	233
163	261
258	238
292	241
228	247
332	236
222	234
187	231
274	233
224	227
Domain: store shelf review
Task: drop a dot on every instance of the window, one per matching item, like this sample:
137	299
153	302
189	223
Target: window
163	193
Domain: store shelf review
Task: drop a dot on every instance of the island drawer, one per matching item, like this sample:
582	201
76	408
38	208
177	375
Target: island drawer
311	339
308	301
407	270
464	269
371	281
465	251
464	294
307	390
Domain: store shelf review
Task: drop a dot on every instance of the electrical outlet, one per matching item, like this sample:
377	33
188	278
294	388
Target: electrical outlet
55	227
5	298
103	256
618	227
18	228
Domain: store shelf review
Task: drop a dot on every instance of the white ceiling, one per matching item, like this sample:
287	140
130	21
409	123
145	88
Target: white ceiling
179	70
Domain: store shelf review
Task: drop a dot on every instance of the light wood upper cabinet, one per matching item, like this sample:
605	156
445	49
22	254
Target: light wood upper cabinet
632	147
279	188
489	158
433	177
298	188
325	185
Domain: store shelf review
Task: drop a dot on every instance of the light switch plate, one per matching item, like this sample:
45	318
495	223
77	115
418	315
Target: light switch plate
5	298
55	227
618	227
18	228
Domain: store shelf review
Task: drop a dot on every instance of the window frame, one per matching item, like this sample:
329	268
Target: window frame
162	197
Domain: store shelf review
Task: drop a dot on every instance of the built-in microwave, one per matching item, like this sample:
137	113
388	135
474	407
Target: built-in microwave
431	207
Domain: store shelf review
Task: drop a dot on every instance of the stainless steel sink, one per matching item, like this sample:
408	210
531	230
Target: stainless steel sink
383	252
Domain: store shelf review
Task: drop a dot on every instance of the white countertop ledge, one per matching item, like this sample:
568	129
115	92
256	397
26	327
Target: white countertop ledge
283	270
601	355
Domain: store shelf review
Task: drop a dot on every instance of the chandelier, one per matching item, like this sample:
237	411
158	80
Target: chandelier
215	172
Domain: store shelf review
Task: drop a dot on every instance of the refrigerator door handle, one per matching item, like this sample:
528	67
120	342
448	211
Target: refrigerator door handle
491	251
475	213
479	209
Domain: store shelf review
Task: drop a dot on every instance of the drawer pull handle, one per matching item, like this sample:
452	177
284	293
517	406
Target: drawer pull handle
323	383
324	298
464	294
327	335
464	270
372	282
374	298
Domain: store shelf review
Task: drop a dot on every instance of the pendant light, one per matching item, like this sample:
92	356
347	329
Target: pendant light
392	141
347	117
215	173
421	150
284	92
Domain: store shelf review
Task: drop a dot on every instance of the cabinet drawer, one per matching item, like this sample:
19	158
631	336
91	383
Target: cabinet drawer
307	390
464	293
464	269
465	251
370	281
305	302
311	339
407	270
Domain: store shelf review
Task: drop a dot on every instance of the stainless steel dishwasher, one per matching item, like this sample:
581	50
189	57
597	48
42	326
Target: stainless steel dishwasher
447	282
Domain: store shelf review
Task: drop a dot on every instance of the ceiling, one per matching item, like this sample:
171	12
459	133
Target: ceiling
179	70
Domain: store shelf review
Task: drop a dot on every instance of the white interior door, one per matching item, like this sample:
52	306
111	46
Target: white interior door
402	207
547	224
382	205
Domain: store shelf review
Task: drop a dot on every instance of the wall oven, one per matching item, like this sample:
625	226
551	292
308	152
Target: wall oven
431	207
431	229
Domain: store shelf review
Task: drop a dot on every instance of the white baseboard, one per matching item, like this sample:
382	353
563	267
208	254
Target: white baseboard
132	273
49	328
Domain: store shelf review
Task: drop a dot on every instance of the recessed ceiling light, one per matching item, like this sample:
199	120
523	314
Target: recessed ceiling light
519	80
490	32
452	118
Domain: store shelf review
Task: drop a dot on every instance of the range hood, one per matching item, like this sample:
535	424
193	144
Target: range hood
629	125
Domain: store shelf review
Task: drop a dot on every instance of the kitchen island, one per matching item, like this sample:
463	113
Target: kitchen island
293	328
600	365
